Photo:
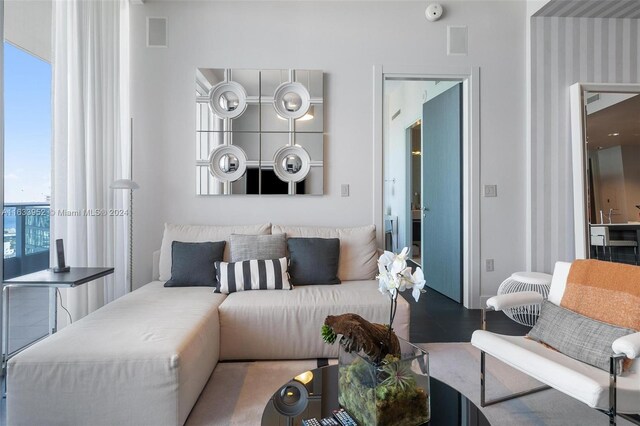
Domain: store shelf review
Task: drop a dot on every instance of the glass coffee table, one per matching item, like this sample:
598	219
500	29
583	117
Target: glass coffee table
314	394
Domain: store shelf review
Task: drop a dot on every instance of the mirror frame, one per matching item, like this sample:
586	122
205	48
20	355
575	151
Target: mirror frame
579	156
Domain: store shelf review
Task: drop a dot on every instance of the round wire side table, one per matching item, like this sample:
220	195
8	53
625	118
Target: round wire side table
525	281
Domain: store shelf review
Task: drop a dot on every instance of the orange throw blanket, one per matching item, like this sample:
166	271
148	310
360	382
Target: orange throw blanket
605	291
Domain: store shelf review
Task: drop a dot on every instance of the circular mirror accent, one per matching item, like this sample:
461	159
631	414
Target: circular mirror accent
291	163
227	163
228	99
291	100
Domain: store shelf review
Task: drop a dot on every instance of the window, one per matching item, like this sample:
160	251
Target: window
27	161
27	188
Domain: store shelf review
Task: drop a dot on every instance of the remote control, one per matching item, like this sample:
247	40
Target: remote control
344	418
329	421
311	422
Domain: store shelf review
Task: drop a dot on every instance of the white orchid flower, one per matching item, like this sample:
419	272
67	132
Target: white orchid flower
400	262
395	276
386	259
418	283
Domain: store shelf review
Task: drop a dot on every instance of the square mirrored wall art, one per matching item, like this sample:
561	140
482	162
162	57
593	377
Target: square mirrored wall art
259	132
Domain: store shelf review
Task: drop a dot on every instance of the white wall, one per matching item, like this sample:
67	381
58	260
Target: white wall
345	39
611	185
631	167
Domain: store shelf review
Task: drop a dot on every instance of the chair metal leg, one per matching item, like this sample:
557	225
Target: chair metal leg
614	361
633	418
484	402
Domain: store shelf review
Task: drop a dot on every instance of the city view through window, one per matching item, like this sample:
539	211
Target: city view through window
27	189
27	151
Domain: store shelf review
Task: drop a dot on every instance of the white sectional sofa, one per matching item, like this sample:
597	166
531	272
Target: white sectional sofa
144	358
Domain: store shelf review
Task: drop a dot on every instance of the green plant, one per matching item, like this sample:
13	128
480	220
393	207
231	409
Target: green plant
396	374
328	335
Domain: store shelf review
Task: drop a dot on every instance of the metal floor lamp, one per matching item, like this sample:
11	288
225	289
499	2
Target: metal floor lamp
130	185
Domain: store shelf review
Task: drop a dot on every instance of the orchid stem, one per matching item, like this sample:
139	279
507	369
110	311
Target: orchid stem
392	313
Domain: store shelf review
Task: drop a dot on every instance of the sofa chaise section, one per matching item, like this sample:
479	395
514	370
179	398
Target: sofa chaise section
140	360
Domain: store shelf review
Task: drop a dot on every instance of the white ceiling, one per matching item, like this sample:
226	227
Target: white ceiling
27	24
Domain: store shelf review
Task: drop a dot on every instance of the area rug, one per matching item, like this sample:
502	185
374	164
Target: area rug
237	392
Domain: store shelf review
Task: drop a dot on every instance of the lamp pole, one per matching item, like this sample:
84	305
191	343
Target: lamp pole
130	185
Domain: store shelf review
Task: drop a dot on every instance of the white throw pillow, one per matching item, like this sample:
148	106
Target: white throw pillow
201	233
559	282
358	247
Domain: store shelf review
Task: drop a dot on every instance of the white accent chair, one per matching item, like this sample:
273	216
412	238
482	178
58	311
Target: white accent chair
608	392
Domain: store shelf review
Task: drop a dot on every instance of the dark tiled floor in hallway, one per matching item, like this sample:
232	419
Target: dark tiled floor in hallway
436	319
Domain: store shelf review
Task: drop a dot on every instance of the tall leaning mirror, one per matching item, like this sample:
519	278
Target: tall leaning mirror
605	122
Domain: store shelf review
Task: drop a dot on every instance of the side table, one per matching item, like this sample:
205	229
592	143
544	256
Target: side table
51	280
525	281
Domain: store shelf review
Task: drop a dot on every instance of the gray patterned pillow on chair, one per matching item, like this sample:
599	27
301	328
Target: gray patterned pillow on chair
576	336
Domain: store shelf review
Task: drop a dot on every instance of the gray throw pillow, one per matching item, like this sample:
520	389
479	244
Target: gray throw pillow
257	247
193	264
314	260
577	336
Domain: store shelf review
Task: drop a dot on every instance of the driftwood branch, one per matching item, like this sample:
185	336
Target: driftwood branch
375	340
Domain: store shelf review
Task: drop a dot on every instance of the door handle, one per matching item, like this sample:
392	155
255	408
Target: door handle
424	211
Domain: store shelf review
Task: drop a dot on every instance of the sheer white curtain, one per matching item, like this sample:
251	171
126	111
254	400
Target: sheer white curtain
90	144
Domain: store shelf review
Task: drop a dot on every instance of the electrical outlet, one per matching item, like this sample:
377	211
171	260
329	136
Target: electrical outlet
488	265
344	190
491	190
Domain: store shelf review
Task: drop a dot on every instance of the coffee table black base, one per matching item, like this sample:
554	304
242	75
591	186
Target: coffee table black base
318	397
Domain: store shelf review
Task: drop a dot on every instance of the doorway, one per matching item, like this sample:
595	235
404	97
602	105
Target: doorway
414	193
423	174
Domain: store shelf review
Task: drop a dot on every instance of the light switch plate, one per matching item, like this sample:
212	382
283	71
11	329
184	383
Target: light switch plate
344	190
491	190
489	265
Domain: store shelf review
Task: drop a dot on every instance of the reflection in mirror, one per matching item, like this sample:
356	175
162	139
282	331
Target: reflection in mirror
292	164
610	157
229	101
229	163
291	101
613	155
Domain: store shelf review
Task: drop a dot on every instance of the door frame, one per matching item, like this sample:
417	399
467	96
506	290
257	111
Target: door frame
470	78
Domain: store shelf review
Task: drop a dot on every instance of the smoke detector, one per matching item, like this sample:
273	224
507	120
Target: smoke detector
433	12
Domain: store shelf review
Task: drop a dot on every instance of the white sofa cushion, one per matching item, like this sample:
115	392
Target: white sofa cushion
142	359
286	324
358	247
199	233
577	379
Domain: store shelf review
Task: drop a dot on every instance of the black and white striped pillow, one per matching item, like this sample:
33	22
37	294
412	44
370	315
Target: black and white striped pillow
252	275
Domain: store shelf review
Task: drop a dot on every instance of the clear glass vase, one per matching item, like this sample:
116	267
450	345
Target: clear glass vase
395	392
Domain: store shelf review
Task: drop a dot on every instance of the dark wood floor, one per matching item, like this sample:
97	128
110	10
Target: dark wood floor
436	319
